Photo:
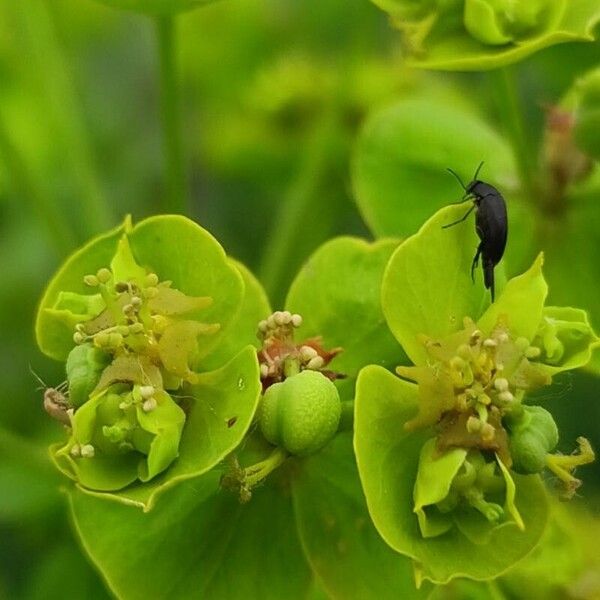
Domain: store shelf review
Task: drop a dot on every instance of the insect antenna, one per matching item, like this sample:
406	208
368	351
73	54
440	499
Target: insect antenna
462	185
38	378
477	171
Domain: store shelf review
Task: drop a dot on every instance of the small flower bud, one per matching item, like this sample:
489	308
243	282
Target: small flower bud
114	433
488	433
307	353
103	275
136	328
147	391
456	362
279	317
490	343
473	424
115	340
151	279
532	352
149	405
87	451
296	320
262	326
136	301
150	292
79	338
506	397
264	371
102	339
315	363
501	384
75	451
91	280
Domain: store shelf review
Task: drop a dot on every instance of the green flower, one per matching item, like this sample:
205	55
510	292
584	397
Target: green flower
310	512
485	34
153	322
121	435
499	22
441	459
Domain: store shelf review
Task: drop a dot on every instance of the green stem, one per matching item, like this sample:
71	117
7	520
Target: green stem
256	473
495	591
64	112
291	367
300	206
512	115
62	237
347	416
175	198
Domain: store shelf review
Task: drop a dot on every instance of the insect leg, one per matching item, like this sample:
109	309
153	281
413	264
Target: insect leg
460	220
488	276
476	261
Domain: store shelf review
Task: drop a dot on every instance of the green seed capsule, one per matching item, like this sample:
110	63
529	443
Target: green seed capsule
85	364
532	436
301	414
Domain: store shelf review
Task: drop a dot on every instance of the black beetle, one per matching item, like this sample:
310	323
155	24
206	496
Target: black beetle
491	224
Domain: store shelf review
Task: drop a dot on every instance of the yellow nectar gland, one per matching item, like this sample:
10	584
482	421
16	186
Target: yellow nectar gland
470	382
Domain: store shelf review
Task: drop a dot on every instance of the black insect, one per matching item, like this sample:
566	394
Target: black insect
491	225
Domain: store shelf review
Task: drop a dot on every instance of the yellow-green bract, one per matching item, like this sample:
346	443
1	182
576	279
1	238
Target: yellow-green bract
473	362
159	300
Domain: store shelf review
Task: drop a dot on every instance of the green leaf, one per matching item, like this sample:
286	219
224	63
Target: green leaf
337	292
165	422
434	478
171	246
123	265
558	561
219	411
54	336
388	459
571	264
464	589
452	48
427	287
156	7
27	478
522	302
566	339
340	542
399	168
198	542
242	330
179	250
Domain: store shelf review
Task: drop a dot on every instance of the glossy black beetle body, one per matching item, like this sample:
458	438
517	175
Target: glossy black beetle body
491	224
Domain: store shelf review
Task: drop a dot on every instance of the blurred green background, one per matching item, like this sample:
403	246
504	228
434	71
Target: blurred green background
273	95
